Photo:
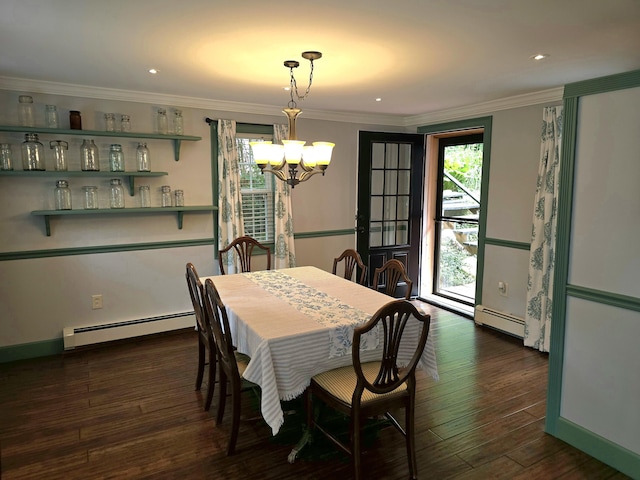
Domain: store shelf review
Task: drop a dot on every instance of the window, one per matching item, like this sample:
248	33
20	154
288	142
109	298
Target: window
257	192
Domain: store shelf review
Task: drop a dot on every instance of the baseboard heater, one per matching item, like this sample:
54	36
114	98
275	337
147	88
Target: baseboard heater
87	335
505	322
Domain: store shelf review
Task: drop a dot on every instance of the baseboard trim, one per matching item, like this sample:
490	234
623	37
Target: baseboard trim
25	351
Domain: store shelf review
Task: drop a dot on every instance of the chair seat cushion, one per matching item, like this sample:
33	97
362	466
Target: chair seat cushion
341	383
242	360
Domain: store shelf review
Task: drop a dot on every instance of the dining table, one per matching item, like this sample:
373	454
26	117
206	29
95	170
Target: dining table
297	322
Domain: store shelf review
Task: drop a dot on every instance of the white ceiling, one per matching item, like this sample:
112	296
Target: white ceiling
419	56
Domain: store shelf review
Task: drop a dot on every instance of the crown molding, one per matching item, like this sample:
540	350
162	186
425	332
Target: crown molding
481	109
552	95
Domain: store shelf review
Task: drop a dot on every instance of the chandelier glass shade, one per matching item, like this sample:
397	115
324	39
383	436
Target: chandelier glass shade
293	161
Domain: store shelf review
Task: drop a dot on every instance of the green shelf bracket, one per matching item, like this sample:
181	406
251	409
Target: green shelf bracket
47	225
180	219
132	185
176	148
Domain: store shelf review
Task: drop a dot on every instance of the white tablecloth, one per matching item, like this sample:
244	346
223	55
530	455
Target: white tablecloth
289	345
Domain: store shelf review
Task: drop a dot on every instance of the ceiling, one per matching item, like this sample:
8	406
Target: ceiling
418	56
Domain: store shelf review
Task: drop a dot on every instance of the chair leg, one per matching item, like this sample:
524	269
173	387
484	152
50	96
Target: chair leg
201	352
235	413
411	446
213	365
222	396
355	444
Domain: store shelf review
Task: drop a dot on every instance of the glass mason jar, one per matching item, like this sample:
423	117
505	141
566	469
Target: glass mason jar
51	116
179	198
90	197
6	158
63	195
142	158
109	122
25	111
32	153
116	158
125	123
59	148
178	122
162	125
75	120
145	196
166	196
116	197
89	157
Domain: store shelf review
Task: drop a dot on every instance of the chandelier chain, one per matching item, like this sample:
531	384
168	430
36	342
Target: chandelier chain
293	86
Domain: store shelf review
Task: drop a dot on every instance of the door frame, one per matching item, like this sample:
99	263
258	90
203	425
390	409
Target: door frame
460	127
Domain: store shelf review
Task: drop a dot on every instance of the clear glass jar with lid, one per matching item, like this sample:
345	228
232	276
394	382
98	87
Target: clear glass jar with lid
89	157
162	125
63	195
178	122
116	197
32	153
90	197
109	122
179	198
6	157
51	116
166	196
145	196
125	123
59	148
143	159
25	111
116	158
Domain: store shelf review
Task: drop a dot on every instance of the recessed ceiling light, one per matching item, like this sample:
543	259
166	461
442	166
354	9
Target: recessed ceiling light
378	99
540	56
286	89
153	71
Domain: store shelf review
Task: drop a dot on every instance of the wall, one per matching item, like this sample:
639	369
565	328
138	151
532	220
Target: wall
46	283
515	156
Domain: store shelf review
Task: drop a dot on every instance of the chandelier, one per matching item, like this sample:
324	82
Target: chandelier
293	162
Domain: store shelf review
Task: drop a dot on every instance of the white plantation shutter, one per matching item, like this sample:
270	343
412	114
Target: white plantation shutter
257	193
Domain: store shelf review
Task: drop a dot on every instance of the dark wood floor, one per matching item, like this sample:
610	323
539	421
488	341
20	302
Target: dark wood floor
129	410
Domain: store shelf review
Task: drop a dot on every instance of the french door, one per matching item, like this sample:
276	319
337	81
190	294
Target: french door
390	189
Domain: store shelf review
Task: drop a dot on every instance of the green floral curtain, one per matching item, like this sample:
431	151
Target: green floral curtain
284	247
537	328
230	223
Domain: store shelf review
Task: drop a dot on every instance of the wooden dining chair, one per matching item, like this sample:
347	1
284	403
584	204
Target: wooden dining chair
390	274
363	390
243	248
351	260
232	364
206	341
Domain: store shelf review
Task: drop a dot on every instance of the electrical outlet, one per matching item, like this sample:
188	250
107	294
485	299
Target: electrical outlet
503	288
96	302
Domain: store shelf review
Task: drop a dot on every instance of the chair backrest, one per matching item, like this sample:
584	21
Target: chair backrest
196	291
243	247
394	317
351	260
217	313
393	271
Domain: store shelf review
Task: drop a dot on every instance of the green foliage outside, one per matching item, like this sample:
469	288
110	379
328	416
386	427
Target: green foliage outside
452	261
464	162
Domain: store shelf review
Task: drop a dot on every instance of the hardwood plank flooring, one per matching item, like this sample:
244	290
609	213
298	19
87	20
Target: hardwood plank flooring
129	410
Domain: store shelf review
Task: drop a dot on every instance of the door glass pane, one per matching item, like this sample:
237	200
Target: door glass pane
404	182
390	182
389	208
377	182
389	233
457	259
375	234
392	155
376	208
403	208
404	156
377	155
402	236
